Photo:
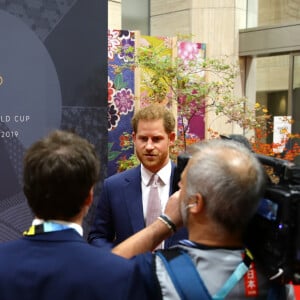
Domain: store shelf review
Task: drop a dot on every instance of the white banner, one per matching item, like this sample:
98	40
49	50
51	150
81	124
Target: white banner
282	130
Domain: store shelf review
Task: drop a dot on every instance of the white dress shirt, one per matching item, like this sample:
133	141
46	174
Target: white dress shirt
163	188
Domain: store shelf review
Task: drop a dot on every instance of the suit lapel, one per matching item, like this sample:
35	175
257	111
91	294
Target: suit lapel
133	197
171	179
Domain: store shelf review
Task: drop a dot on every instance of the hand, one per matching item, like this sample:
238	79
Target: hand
172	209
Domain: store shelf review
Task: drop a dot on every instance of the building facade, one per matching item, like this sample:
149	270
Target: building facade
262	35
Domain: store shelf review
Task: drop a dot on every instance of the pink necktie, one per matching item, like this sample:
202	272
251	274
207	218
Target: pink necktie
154	205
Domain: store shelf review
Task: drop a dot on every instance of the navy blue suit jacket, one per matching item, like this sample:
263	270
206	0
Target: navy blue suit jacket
62	265
119	212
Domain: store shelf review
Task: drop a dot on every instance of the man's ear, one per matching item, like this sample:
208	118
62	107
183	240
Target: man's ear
199	204
172	137
133	136
89	199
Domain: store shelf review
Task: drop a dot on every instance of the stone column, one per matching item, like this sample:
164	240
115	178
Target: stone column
114	14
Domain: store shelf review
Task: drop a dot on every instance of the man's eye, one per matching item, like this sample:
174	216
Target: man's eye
156	139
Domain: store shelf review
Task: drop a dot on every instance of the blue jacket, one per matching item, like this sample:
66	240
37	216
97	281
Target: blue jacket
62	265
119	212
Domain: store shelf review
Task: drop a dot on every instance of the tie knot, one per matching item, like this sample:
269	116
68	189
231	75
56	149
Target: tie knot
154	180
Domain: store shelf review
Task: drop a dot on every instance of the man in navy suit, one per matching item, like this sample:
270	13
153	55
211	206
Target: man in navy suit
52	260
121	209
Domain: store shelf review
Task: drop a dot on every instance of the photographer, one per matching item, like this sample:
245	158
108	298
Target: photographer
220	191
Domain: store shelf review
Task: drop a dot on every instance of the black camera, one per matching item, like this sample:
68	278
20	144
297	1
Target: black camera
182	161
273	234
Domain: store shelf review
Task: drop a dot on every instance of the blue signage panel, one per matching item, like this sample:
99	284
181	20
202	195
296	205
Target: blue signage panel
53	74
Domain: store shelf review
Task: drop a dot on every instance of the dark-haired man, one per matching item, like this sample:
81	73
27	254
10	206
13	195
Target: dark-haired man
52	260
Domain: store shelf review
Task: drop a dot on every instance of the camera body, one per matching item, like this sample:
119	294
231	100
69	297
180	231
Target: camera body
273	234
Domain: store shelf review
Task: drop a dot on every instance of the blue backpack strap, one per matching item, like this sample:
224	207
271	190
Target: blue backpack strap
184	275
187	280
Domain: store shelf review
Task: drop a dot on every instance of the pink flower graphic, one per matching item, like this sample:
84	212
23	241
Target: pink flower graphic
188	50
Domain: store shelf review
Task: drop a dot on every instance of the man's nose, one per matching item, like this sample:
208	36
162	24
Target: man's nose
149	144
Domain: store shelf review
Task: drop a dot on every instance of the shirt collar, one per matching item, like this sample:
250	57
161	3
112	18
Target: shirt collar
164	174
74	226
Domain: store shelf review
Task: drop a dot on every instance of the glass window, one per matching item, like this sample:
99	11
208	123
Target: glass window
296	94
135	15
272	12
272	85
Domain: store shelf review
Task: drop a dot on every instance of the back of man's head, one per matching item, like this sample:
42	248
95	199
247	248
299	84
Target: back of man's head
59	172
229	178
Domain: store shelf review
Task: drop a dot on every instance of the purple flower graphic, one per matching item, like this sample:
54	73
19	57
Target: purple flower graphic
127	49
125	34
124	101
113	117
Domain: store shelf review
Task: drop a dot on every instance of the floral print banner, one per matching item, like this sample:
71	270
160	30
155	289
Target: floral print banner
124	96
189	51
121	45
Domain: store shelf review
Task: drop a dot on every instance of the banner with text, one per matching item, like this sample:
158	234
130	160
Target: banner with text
53	74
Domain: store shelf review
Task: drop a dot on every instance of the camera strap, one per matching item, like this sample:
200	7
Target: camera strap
236	276
187	280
